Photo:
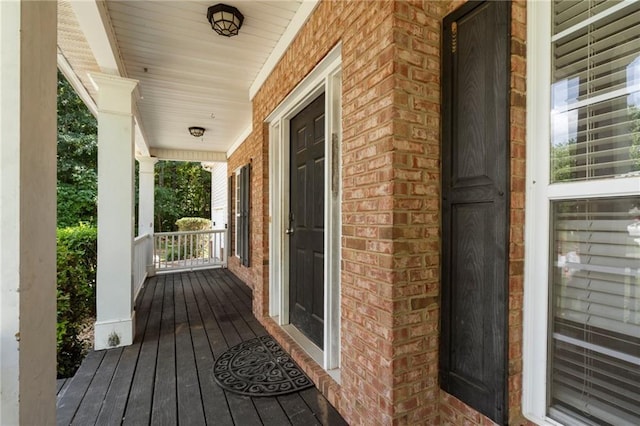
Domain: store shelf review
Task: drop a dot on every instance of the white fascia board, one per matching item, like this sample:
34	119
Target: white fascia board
188	155
142	147
99	34
78	87
243	136
95	24
299	19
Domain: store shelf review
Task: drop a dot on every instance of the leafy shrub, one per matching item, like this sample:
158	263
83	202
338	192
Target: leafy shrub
193	224
186	247
76	293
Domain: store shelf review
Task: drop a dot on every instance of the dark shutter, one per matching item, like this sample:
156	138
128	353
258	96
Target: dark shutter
244	218
475	195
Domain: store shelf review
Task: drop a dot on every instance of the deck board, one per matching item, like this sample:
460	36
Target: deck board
115	401
214	401
323	410
243	410
184	321
74	394
164	404
270	412
89	409
59	385
297	410
143	385
190	408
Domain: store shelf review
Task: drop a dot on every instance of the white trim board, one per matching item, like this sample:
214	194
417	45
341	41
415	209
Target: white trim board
540	192
295	25
325	78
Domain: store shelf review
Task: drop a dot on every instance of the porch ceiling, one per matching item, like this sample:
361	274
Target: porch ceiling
189	75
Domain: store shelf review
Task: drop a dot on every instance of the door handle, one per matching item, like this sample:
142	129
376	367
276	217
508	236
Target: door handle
290	230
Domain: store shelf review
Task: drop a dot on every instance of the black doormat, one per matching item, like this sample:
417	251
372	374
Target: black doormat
259	367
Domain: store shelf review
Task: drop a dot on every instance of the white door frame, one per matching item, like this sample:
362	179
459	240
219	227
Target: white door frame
325	78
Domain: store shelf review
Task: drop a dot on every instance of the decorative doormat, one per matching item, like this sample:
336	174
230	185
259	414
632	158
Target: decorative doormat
259	367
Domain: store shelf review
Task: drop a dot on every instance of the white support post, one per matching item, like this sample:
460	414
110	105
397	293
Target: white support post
114	295
146	205
27	212
146	200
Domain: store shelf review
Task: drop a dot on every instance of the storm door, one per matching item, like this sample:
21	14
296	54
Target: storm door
475	220
306	222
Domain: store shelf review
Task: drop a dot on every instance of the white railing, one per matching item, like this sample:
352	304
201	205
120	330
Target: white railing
189	250
142	259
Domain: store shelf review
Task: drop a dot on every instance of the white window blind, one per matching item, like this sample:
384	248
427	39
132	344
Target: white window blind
595	339
594	329
595	116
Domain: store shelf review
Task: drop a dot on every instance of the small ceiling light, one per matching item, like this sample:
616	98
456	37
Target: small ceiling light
225	20
196	131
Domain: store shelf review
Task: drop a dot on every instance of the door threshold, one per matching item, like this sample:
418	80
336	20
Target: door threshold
305	343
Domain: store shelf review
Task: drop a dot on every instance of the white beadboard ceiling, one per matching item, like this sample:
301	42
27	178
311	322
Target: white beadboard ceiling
188	74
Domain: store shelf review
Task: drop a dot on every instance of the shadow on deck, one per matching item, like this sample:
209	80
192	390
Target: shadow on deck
184	322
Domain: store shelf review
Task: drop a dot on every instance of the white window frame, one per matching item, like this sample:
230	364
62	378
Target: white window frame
325	78
237	211
539	194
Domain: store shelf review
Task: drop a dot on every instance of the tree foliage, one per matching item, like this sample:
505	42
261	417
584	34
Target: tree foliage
77	159
562	161
181	190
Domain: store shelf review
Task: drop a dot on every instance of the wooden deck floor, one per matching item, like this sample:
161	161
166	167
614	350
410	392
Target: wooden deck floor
184	322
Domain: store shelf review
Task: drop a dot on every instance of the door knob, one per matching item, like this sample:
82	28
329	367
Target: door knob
289	231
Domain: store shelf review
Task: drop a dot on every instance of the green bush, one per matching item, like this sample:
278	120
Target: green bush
179	248
193	224
76	293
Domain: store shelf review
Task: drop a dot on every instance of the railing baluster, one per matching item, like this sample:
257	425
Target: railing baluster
173	251
166	253
188	250
191	249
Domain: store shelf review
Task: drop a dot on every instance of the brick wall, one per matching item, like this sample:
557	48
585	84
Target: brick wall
516	234
415	233
390	209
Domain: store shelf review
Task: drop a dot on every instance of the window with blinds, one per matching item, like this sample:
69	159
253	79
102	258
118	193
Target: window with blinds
594	328
595	111
595	337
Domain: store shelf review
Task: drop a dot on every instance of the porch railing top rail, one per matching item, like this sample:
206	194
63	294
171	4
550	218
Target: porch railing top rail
206	231
139	238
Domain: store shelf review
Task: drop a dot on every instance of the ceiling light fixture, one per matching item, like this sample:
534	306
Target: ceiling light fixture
225	20
196	131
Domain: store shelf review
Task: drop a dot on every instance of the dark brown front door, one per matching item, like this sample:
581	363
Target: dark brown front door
306	222
475	220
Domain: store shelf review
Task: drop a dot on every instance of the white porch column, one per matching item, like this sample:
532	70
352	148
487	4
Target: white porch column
114	295
146	200
27	212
